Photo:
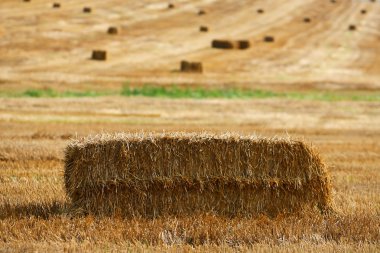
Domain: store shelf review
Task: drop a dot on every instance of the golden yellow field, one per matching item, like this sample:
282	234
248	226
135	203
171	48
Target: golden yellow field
42	48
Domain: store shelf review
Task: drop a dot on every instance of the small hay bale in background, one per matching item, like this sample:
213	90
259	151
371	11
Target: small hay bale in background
352	27
201	12
269	39
227	44
87	9
307	20
222	44
99	55
56	5
203	29
179	174
112	30
191	67
243	44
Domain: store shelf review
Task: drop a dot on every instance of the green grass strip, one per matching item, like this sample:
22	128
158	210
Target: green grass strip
175	92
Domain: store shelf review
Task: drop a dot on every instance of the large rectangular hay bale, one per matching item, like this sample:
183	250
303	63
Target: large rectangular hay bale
179	174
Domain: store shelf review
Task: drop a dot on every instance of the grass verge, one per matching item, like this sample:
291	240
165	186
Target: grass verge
176	92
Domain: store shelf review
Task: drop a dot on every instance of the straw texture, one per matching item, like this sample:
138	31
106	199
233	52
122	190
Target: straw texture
178	174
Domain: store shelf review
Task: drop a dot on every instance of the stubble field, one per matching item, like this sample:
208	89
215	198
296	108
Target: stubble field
45	49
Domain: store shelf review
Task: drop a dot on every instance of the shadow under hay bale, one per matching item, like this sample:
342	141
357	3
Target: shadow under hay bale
352	27
269	39
26	0
226	44
87	10
203	29
179	174
56	5
99	55
191	67
112	30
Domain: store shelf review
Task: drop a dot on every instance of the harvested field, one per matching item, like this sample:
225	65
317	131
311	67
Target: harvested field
318	84
33	200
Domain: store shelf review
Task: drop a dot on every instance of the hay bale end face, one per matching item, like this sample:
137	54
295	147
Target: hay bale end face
112	30
87	10
191	67
151	175
99	55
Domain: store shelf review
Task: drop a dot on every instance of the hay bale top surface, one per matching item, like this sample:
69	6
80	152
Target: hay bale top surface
190	155
151	136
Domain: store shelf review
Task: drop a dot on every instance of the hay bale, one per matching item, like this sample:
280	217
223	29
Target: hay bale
56	5
112	30
203	29
227	44
260	11
243	44
191	67
99	55
269	39
352	27
222	44
171	6
201	12
87	10
306	20
179	174
363	11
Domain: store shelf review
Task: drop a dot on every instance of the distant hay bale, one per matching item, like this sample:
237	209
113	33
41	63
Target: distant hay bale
243	44
171	6
112	30
203	29
56	5
150	175
363	11
87	9
307	20
260	11
352	27
191	67
269	39
222	44
201	12
99	55
227	44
